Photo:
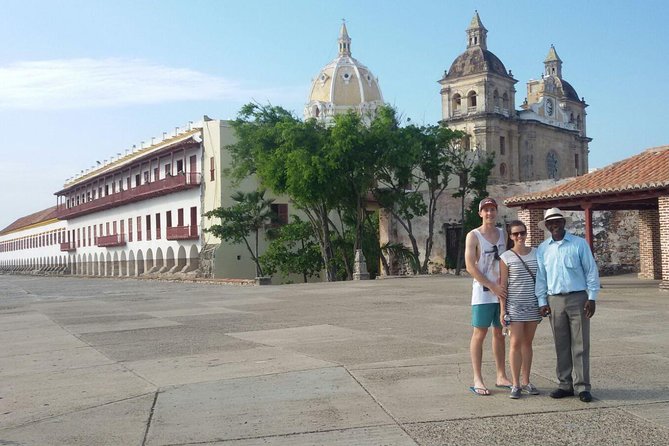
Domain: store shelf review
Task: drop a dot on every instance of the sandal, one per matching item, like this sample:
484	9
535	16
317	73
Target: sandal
479	391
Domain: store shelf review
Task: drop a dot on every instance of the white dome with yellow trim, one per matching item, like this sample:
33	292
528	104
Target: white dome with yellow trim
342	85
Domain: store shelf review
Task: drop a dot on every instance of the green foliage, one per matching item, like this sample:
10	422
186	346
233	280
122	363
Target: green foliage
415	158
246	218
293	250
473	168
402	255
322	169
288	156
479	189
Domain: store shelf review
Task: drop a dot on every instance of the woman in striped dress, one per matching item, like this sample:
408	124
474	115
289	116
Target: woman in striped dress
518	270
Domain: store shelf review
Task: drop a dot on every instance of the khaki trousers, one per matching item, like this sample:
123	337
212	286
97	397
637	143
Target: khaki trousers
571	333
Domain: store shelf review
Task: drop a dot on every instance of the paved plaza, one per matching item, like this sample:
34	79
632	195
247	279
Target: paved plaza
385	362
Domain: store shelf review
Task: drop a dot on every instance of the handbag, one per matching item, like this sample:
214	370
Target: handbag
534	279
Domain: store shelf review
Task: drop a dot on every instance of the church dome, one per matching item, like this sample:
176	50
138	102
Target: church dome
567	90
476	60
342	85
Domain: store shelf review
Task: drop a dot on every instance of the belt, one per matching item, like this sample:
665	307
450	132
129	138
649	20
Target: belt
568	293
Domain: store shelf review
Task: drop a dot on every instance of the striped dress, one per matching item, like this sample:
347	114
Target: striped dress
521	302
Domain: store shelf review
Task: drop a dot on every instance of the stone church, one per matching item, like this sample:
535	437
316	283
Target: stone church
545	139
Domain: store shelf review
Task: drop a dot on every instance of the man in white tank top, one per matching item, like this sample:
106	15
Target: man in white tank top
483	246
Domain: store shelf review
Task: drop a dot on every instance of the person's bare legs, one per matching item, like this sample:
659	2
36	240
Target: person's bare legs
499	352
530	329
476	353
516	351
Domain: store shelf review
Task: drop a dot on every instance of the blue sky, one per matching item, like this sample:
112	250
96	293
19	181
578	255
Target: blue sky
81	81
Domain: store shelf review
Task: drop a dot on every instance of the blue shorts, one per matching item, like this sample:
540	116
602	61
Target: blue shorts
485	315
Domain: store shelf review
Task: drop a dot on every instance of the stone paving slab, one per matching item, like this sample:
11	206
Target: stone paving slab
301	335
18	321
340	345
364	436
52	339
243	301
190	311
655	412
223	365
162	342
265	406
36	396
121	325
51	361
116	423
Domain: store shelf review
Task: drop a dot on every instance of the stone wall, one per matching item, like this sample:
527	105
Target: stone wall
615	234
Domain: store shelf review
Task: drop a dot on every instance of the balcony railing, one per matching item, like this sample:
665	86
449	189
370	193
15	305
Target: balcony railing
107	241
183	233
142	192
67	247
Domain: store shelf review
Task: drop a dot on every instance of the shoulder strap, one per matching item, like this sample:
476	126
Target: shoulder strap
525	265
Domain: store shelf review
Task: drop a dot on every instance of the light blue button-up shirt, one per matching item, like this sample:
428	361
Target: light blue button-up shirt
564	267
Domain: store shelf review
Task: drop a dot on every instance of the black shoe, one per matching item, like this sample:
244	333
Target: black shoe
561	393
586	397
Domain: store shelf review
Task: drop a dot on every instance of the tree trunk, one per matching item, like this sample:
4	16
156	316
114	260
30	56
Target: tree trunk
384	263
259	272
461	241
328	256
432	210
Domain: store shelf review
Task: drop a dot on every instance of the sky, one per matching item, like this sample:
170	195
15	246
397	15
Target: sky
81	81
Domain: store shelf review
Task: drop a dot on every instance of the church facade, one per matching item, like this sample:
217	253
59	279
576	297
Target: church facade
544	139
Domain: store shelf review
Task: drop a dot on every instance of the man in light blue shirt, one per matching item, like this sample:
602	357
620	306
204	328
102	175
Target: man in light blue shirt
566	287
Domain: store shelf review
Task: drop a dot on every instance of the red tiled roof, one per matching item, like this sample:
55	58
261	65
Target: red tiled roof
646	171
37	217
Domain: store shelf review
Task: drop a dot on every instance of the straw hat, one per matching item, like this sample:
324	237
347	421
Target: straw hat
553	214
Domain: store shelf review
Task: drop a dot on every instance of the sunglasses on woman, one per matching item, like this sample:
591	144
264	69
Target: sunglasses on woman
519	234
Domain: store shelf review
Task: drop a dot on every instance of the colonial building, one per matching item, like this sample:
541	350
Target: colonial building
545	139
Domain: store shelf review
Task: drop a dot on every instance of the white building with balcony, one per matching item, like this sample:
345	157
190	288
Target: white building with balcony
140	214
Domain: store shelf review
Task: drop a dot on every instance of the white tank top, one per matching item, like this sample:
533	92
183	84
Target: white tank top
488	266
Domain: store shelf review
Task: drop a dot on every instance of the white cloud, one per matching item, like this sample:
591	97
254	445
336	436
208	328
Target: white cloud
86	83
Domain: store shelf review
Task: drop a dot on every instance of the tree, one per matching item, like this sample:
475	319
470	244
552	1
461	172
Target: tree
322	169
286	155
293	250
472	168
436	165
353	149
413	173
479	189
398	188
246	218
